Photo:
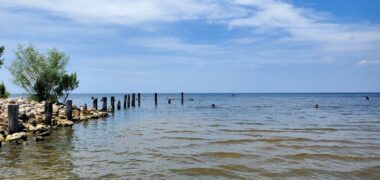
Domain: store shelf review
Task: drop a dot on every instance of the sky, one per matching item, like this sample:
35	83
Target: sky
118	46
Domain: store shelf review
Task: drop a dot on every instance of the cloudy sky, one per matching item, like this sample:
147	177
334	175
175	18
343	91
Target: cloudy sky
203	45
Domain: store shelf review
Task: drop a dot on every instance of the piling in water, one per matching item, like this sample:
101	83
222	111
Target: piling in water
125	102
118	105
133	99
69	109
48	113
104	101
13	125
95	103
112	103
138	99
182	98
155	99
129	100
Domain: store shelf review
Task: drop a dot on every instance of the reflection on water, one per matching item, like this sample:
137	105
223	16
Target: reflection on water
245	137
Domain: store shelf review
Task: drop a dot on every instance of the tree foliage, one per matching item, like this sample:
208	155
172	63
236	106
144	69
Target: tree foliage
43	77
1	53
3	90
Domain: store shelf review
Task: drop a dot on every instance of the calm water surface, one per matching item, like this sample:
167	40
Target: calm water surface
250	136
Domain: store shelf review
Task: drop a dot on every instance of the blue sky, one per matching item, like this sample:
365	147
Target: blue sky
203	45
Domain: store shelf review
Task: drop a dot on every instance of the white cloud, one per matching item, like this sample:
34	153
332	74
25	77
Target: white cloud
126	12
173	44
368	62
278	30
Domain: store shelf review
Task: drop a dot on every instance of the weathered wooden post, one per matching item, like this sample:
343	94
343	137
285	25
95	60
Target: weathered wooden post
13	124
182	98
129	100
138	99
133	99
125	101
69	109
48	113
155	99
95	103
112	103
104	100
118	105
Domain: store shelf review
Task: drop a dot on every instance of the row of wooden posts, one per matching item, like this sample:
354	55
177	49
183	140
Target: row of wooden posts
13	109
128	101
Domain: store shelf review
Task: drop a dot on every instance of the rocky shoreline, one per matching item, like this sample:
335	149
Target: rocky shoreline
32	119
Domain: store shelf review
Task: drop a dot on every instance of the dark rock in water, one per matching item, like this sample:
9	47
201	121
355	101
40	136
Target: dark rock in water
23	117
43	133
39	138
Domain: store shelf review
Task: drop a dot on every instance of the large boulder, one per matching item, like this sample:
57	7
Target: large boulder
64	122
16	136
40	118
76	112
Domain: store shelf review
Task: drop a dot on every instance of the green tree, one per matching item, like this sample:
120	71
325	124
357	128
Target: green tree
3	90
1	53
44	77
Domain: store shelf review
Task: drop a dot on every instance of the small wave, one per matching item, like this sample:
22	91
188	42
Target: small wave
215	172
222	155
238	141
187	138
248	123
239	168
330	156
269	140
313	129
250	130
181	131
215	125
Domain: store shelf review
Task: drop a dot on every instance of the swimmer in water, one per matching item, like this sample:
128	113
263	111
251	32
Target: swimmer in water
316	106
213	105
366	98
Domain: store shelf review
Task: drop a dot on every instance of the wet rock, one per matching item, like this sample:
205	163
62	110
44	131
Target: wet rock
3	131
42	127
76	112
43	133
39	138
64	122
16	136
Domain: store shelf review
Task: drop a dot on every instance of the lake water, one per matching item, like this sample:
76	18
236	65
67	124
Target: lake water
249	136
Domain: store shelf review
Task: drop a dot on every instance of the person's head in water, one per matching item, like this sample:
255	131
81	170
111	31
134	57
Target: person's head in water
316	106
366	98
213	105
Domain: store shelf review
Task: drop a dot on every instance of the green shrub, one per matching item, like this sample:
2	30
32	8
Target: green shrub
43	77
